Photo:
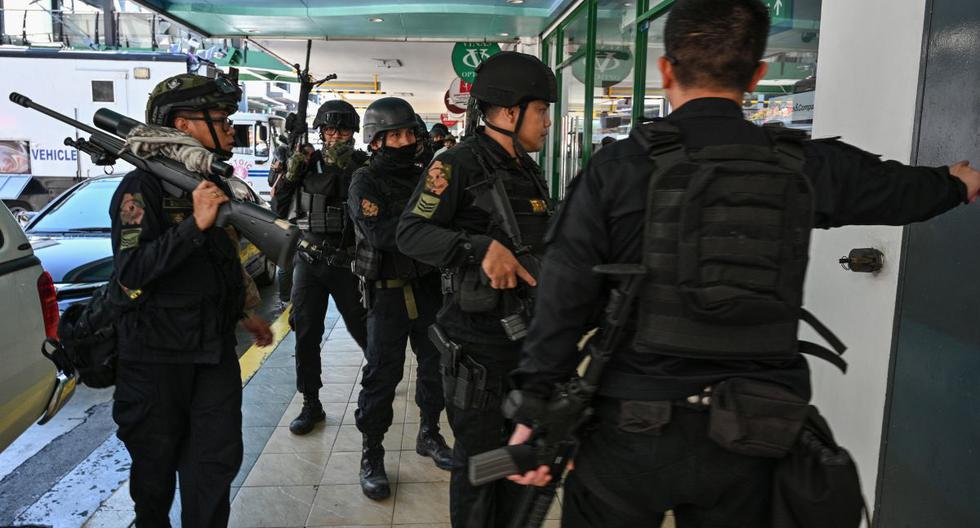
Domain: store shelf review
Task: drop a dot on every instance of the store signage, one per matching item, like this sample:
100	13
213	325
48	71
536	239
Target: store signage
781	12
453	109
612	66
448	120
459	92
468	55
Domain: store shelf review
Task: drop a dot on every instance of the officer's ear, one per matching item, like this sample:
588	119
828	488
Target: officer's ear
666	72
760	73
184	125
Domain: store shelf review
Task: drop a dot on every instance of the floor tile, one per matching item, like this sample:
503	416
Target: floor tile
344	467
349	439
319	440
275	376
262	414
338	505
267	393
248	462
422	503
255	438
274	506
287	469
342	359
340	374
414	468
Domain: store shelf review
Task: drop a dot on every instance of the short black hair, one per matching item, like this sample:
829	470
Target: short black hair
716	43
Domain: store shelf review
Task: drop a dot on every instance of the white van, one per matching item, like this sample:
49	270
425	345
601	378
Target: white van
256	140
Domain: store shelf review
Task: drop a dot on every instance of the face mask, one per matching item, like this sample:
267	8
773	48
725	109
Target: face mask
400	158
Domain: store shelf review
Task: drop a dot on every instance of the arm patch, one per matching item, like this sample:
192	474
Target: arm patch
426	206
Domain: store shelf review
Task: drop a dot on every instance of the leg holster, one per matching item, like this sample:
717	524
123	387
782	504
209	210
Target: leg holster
464	380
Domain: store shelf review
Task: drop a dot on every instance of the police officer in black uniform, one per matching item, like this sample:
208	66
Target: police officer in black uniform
178	385
314	197
404	294
455	222
650	451
437	136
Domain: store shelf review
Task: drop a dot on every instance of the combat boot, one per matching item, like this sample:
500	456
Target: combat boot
374	479
431	444
311	414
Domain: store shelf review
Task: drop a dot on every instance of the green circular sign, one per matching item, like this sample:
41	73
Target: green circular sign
468	55
612	66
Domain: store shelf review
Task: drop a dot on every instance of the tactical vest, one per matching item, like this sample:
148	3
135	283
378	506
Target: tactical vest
726	239
320	201
527	196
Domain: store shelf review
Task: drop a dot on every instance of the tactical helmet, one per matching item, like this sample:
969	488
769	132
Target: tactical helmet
510	79
337	114
387	113
439	129
191	92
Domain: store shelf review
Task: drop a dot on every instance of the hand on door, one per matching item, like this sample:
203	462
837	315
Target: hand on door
969	176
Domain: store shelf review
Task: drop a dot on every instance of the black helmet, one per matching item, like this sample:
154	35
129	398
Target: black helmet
191	92
439	129
510	78
337	114
387	113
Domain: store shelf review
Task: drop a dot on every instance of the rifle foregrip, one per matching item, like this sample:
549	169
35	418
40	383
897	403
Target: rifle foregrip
499	463
542	503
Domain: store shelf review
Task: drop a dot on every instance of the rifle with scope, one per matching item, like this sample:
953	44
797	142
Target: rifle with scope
276	238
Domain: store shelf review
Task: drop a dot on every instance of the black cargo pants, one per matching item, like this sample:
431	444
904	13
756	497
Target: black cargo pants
626	477
186	420
313	285
390	329
478	430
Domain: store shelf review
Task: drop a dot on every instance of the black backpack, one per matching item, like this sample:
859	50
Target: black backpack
726	240
87	335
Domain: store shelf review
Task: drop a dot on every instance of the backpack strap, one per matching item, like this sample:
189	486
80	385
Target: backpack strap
837	347
788	144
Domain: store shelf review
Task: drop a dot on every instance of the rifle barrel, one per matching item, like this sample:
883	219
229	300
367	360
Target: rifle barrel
27	102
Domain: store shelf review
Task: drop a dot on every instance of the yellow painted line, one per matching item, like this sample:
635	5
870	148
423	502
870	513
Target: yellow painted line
255	356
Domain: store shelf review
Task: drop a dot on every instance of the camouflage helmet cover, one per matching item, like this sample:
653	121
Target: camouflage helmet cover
190	92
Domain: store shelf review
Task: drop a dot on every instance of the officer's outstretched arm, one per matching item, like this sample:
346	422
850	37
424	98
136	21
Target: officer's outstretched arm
425	231
144	248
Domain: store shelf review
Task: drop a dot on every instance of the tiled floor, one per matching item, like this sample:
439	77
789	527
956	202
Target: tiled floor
298	481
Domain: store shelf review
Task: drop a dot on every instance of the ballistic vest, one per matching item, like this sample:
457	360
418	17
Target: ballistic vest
726	240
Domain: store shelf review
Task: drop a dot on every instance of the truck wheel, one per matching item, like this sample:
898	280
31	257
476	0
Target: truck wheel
17	206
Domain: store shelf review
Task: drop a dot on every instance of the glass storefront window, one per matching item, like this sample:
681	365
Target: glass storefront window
575	35
572	124
654	100
547	158
786	94
612	104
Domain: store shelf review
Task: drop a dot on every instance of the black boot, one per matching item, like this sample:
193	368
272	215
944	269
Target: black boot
311	414
431	444
374	479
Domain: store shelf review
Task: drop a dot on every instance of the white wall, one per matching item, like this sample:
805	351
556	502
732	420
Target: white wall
867	81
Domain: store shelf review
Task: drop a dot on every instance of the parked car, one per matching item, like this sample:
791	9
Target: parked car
30	385
72	237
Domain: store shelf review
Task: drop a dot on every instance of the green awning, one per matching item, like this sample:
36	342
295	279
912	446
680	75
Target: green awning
339	19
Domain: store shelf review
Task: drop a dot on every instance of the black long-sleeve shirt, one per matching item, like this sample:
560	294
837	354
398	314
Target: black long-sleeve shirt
602	222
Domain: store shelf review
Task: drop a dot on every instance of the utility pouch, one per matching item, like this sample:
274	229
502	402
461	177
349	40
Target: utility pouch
473	294
755	418
644	417
447	282
514	326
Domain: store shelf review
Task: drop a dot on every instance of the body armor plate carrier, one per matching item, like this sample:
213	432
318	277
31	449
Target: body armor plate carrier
726	240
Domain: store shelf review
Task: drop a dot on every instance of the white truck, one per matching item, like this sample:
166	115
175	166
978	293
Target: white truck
35	164
256	141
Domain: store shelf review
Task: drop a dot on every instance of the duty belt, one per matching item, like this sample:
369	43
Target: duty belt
406	285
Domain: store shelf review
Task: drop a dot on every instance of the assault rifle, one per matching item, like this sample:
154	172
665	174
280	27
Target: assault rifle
297	125
558	422
275	238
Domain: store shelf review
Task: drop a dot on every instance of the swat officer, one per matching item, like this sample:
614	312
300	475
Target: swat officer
404	294
483	206
721	298
178	386
314	197
437	136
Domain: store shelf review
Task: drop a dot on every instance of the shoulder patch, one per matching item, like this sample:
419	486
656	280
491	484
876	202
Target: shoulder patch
129	238
369	208
426	206
131	209
437	177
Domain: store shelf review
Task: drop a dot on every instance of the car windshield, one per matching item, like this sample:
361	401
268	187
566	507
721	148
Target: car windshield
86	209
